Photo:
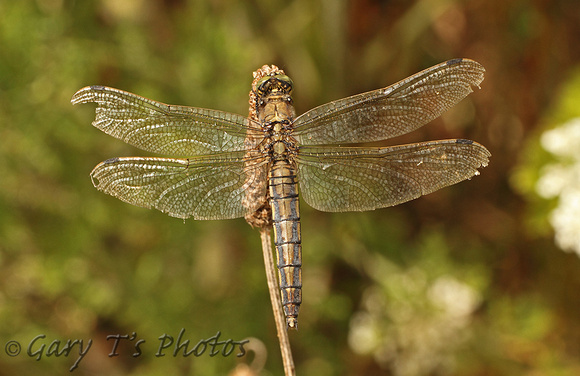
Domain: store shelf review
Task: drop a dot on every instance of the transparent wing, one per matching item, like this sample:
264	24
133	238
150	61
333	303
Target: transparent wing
161	128
392	111
201	188
359	179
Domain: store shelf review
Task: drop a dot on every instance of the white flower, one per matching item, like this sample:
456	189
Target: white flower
562	180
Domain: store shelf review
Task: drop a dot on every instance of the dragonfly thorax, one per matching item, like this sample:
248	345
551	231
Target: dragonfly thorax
276	115
276	108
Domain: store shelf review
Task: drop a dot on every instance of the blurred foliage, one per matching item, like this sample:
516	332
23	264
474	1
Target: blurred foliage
465	281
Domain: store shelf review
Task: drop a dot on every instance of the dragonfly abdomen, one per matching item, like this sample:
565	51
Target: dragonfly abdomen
286	222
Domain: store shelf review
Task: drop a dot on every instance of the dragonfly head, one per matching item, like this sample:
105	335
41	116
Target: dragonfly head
274	98
274	84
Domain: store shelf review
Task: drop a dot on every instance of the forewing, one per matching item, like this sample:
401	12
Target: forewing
395	110
200	188
161	128
359	179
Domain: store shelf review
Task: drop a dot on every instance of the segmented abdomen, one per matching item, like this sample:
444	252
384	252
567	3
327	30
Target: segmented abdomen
286	221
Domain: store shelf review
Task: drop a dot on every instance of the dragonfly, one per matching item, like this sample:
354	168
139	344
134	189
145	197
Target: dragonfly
222	165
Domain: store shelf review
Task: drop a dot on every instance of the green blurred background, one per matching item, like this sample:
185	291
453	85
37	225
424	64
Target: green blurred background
481	278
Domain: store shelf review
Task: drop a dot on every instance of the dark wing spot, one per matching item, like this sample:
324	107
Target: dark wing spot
463	141
111	160
454	61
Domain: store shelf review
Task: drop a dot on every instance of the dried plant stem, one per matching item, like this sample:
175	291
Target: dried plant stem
277	303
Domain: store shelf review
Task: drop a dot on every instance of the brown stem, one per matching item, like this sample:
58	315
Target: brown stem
277	303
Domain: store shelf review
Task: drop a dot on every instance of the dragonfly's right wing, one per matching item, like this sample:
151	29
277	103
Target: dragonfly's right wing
199	188
358	179
161	128
392	111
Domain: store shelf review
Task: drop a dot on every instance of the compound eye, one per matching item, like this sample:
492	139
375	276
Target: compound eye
286	82
285	79
261	85
261	82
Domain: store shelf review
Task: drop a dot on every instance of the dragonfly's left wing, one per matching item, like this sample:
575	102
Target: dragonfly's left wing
359	179
392	111
199	188
166	129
